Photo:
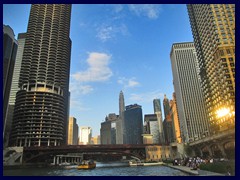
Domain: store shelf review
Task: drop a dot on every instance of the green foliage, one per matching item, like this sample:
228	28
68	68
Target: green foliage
219	167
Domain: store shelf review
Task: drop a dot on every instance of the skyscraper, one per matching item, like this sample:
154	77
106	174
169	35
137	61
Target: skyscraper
158	112
41	108
9	54
213	28
119	122
177	137
14	86
156	105
152	127
108	129
133	125
166	106
72	131
190	102
85	135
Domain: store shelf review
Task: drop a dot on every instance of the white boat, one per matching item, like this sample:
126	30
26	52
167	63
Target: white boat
65	164
139	163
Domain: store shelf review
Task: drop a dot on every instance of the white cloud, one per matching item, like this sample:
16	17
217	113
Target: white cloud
98	69
146	97
109	31
128	83
149	10
77	105
105	33
77	89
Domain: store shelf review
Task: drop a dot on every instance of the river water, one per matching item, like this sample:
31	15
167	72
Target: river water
102	169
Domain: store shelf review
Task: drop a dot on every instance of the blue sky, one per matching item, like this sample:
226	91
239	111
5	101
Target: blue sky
114	48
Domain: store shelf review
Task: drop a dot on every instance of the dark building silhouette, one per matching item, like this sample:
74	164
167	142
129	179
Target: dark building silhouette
133	125
9	55
41	108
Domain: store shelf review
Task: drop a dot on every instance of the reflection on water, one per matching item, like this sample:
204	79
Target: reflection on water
102	169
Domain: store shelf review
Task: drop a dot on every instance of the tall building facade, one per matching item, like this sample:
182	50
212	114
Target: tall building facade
14	86
167	123
96	140
133	125
213	28
41	108
72	131
108	129
168	130
10	46
120	121
177	136
85	135
152	127
158	112
166	106
191	108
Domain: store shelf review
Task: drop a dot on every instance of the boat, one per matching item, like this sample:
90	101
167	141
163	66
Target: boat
139	163
87	164
65	164
135	163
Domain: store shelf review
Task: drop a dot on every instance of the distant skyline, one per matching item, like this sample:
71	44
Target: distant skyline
114	48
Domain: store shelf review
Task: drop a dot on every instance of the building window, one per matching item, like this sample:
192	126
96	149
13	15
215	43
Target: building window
221	53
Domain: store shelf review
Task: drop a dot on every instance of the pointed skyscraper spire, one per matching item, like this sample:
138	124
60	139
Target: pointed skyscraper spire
121	104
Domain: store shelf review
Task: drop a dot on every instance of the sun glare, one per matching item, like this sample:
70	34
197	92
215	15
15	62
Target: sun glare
222	112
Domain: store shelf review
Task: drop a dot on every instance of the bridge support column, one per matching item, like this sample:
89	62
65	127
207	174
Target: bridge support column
220	146
29	142
55	142
210	151
201	153
48	142
57	160
54	160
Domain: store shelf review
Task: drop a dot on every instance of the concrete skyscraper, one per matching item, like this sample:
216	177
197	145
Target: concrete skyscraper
10	46
72	131
120	121
108	129
41	108
190	101
152	127
213	28
158	112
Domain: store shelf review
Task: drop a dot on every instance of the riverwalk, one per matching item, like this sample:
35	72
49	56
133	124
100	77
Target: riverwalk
193	172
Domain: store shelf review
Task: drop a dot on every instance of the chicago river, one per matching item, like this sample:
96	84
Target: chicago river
102	169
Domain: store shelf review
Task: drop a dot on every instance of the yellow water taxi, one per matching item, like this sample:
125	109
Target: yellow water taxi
87	164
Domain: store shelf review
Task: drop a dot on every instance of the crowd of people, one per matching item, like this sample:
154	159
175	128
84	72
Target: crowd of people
194	162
